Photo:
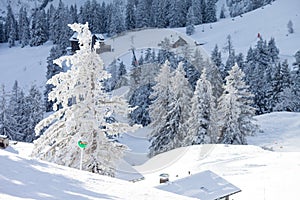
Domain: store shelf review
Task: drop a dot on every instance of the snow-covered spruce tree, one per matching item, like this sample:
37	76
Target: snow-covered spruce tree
139	94
10	27
117	23
215	78
24	33
7	125
196	6
216	57
130	20
16	109
39	34
211	11
52	69
161	97
235	111
33	110
202	104
85	118
171	133
190	22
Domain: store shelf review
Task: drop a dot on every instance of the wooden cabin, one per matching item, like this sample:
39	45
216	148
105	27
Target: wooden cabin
4	141
95	38
179	43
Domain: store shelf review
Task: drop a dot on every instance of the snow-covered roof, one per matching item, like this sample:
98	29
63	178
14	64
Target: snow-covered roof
99	36
205	185
74	37
3	136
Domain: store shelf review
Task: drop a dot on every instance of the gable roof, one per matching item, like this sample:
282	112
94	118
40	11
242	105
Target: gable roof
205	185
75	34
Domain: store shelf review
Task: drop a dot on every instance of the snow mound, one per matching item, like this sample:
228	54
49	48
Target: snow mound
280	132
23	178
260	174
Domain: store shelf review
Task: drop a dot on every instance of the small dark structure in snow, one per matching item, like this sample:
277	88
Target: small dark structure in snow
204	185
179	43
4	142
163	178
95	38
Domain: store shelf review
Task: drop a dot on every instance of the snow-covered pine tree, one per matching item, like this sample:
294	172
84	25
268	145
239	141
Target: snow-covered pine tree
52	69
176	14
34	111
154	13
215	78
216	58
281	82
142	14
130	20
235	111
2	37
117	23
16	109
197	60
190	22
24	32
10	27
163	13
39	32
222	12
202	104
85	118
211	12
171	133
231	55
196	6
295	87
160	97
139	97
7	123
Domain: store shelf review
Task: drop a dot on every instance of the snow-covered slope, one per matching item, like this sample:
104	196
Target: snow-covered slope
281	132
269	21
23	178
27	65
260	174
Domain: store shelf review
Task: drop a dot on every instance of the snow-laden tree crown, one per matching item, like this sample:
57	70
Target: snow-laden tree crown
82	108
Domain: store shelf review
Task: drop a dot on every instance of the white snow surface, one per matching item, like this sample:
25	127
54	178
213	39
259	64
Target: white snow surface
27	65
25	178
260	174
269	21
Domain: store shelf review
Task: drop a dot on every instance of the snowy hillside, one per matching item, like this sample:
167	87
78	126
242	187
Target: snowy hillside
269	21
26	65
23	178
260	174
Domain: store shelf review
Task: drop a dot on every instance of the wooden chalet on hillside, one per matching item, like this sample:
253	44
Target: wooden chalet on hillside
95	38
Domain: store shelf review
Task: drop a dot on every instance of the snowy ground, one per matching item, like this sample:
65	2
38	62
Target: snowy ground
27	65
271	21
260	174
24	178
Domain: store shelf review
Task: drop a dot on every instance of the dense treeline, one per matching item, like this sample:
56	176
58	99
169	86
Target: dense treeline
19	113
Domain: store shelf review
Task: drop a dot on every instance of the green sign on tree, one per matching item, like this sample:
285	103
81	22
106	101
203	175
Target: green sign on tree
82	144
